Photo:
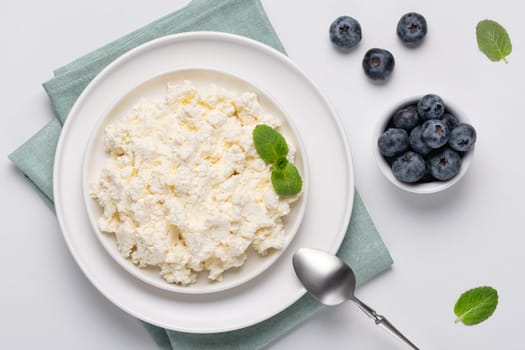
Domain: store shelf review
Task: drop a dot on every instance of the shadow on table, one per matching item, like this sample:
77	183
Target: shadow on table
434	201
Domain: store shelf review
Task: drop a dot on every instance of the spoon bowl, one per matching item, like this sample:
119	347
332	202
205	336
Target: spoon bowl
329	279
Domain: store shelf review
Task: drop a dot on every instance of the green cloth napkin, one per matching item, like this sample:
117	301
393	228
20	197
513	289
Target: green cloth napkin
362	247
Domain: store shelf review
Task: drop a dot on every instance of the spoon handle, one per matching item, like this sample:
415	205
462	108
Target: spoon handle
382	322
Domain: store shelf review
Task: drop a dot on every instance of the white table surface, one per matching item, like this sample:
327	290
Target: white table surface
442	244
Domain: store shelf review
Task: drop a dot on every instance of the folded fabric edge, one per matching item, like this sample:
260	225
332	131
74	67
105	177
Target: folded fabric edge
369	241
159	335
42	195
62	103
35	158
277	44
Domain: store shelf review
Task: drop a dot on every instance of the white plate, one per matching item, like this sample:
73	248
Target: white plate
331	189
95	158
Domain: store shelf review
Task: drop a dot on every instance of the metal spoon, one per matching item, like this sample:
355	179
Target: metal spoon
331	281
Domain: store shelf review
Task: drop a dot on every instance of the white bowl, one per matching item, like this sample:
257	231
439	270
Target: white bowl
426	187
95	157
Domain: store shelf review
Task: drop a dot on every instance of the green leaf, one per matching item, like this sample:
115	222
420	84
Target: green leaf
286	181
493	40
269	144
476	305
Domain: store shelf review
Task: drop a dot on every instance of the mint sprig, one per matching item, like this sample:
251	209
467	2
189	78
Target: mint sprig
493	40
476	305
273	149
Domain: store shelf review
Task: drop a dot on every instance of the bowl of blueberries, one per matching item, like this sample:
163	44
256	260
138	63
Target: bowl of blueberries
424	145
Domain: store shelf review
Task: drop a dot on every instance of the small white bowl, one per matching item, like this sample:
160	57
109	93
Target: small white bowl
426	187
95	157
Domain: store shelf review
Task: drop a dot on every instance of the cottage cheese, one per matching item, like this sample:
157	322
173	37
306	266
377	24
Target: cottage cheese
183	187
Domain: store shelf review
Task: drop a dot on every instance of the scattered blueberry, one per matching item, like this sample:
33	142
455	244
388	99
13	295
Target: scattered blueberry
462	138
434	133
445	164
393	142
450	121
378	64
412	28
410	167
345	32
417	143
406	118
430	107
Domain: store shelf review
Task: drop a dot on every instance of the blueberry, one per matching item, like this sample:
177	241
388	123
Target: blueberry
450	121
430	107
462	138
410	167
406	118
417	143
393	142
434	133
345	32
445	164
412	28
378	64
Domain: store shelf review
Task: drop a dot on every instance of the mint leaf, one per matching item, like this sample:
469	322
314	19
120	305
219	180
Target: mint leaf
286	181
493	40
269	144
476	305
